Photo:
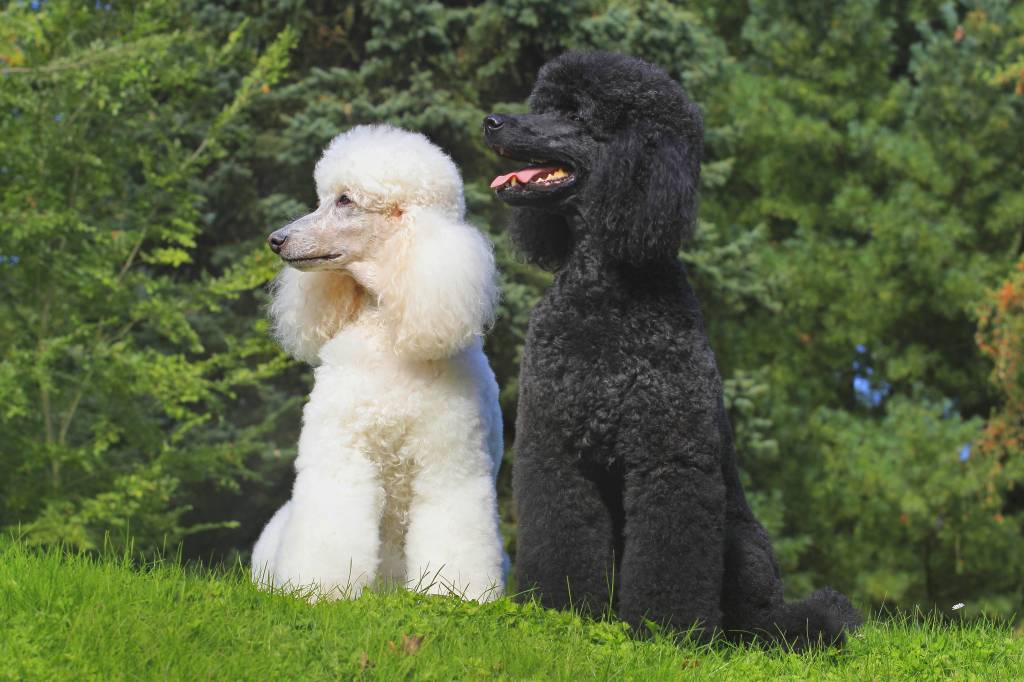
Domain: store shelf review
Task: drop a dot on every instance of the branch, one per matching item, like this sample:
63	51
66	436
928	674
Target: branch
44	324
145	46
131	257
69	415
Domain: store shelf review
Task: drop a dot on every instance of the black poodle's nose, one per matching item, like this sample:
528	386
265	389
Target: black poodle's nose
494	121
277	240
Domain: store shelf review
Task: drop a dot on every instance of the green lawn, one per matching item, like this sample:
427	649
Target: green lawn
69	617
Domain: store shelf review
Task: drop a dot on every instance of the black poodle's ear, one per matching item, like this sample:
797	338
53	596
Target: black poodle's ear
644	194
542	237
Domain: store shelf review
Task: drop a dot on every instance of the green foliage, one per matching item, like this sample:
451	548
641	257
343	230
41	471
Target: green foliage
71	616
109	385
908	513
1001	338
878	146
876	188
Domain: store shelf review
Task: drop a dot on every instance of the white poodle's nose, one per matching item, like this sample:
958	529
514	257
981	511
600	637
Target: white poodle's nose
277	240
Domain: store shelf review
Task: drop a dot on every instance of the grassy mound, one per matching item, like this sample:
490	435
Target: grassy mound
75	617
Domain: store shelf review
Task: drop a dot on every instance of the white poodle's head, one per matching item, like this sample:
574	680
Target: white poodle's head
366	180
388	233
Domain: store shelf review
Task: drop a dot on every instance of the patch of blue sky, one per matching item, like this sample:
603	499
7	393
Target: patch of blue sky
965	452
867	389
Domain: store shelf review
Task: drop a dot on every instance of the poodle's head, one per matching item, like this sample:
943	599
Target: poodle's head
614	147
388	237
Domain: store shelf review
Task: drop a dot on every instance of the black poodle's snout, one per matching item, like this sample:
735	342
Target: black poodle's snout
501	131
514	135
493	121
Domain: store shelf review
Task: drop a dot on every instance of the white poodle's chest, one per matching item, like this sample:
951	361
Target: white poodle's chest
376	403
375	410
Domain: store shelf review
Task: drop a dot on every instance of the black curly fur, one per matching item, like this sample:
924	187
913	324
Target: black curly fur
625	477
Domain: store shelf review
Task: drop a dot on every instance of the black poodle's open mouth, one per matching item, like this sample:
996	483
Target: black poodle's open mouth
543	178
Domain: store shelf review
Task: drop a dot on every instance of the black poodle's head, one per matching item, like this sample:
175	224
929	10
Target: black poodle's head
614	147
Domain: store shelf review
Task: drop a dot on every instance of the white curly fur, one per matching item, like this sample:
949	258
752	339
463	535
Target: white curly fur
308	308
401	437
436	284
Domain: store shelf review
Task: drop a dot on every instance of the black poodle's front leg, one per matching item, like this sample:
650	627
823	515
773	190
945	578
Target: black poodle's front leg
564	546
673	560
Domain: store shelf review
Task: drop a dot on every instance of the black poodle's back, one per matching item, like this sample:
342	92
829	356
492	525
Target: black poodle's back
625	477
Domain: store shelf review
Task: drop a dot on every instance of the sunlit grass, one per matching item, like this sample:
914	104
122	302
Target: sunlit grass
73	617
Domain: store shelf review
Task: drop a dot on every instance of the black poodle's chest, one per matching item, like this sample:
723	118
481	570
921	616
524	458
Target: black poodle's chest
604	333
588	363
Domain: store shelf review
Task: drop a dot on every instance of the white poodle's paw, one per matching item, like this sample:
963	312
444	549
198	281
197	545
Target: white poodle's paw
322	583
331	590
484	586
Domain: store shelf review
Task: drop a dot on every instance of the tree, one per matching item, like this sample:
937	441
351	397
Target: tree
111	392
879	150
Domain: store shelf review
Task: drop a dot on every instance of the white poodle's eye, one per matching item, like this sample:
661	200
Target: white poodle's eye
343	200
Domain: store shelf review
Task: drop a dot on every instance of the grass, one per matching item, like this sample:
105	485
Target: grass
75	617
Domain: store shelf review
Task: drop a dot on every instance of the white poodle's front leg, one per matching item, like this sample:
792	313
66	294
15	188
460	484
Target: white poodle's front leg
331	538
453	544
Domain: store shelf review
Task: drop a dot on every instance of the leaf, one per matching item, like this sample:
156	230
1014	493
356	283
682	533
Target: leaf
411	643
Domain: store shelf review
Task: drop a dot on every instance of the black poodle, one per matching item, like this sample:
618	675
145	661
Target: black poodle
625	478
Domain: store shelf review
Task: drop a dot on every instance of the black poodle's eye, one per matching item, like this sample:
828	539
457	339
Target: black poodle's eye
343	200
576	116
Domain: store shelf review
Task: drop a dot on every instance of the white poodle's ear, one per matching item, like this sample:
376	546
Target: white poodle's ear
308	308
435	284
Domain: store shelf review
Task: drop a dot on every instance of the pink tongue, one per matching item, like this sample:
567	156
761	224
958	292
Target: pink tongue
523	175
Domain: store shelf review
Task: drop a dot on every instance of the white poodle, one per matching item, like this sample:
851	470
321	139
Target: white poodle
388	291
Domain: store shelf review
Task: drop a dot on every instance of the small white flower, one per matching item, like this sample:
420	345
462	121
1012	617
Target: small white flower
959	605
